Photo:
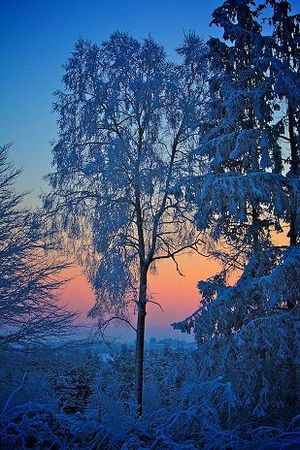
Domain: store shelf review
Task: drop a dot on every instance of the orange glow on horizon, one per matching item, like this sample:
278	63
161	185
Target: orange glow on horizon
178	295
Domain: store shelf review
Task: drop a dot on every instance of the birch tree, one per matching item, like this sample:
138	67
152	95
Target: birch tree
128	119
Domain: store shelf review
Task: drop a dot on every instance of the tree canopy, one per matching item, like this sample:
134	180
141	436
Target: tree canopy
30	270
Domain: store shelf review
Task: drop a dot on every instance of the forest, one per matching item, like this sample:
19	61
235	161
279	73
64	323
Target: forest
155	157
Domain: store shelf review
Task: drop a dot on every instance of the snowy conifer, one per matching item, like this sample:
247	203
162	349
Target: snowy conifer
248	333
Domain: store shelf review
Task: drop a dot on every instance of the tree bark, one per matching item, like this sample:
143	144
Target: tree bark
294	172
140	341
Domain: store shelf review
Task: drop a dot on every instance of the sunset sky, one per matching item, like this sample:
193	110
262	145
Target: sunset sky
36	39
177	295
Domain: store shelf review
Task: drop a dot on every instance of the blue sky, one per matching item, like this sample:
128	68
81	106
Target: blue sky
37	37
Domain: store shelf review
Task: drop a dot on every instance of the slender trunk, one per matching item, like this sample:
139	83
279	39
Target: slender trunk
255	219
294	172
254	168
140	342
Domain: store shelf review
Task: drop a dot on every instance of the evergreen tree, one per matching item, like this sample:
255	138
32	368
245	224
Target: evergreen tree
248	332
284	67
241	198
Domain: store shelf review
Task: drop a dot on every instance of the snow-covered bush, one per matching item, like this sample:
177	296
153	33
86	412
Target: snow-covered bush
38	426
183	409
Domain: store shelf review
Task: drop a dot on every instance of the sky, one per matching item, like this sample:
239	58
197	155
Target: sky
36	39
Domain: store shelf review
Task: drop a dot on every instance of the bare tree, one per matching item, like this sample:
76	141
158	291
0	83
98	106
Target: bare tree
128	121
29	271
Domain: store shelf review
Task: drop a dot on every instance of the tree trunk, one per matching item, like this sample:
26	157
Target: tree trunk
255	235
140	342
294	172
